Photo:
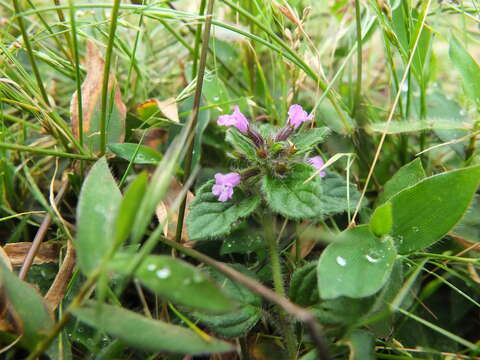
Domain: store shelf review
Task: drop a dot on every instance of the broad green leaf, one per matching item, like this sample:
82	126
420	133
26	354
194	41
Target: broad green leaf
361	344
147	334
425	212
342	312
92	102
334	197
242	241
36	319
303	286
129	206
291	196
406	176
241	143
308	139
216	93
177	281
96	214
356	265
381	220
238	322
469	227
468	68
210	218
129	152
399	127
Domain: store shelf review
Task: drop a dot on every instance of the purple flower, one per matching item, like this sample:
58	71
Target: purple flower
236	119
224	185
296	115
317	162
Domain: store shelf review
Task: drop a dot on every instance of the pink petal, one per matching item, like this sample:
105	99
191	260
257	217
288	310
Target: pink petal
232	179
226	194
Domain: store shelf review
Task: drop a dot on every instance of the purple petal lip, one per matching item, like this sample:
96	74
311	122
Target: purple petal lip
236	119
296	115
317	162
224	184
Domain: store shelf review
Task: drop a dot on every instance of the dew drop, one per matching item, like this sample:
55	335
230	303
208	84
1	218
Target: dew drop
463	112
216	98
371	259
415	229
341	261
163	273
151	267
404	87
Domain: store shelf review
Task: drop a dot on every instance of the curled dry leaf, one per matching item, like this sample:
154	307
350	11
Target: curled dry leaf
57	290
167	108
48	252
306	241
167	206
92	102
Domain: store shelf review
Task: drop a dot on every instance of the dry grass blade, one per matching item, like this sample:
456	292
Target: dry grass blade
47	252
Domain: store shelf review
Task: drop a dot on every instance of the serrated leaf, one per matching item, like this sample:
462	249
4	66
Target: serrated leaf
249	311
138	154
356	265
243	241
406	176
468	68
147	334
96	214
342	311
425	212
303	286
210	218
381	220
36	320
291	196
307	140
241	143
176	281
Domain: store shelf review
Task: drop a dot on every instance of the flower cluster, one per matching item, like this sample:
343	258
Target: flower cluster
225	183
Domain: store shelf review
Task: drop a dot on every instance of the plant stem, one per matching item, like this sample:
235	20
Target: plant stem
106	75
195	111
77	71
36	150
278	285
358	89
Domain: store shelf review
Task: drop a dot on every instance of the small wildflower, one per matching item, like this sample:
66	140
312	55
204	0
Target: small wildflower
236	119
224	185
317	162
296	115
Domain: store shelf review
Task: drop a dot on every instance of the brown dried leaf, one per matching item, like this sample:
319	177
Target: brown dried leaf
91	104
168	202
162	213
48	252
169	109
57	290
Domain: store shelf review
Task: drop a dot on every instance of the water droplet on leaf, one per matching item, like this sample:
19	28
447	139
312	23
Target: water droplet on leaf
341	261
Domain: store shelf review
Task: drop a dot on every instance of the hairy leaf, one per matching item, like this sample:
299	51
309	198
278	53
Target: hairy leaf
138	154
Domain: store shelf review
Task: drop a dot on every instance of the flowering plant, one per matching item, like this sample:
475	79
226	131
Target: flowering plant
276	167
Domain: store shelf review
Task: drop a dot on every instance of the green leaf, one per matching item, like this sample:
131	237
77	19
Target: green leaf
406	176
241	143
36	319
129	207
96	214
468	68
361	344
210	218
243	241
381	221
342	311
356	265
425	212
238	322
307	140
303	286
128	151
400	127
176	281
334	198
216	93
291	196
147	334
469	227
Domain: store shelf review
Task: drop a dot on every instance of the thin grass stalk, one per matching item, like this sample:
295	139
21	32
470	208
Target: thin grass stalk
31	57
106	75
195	112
